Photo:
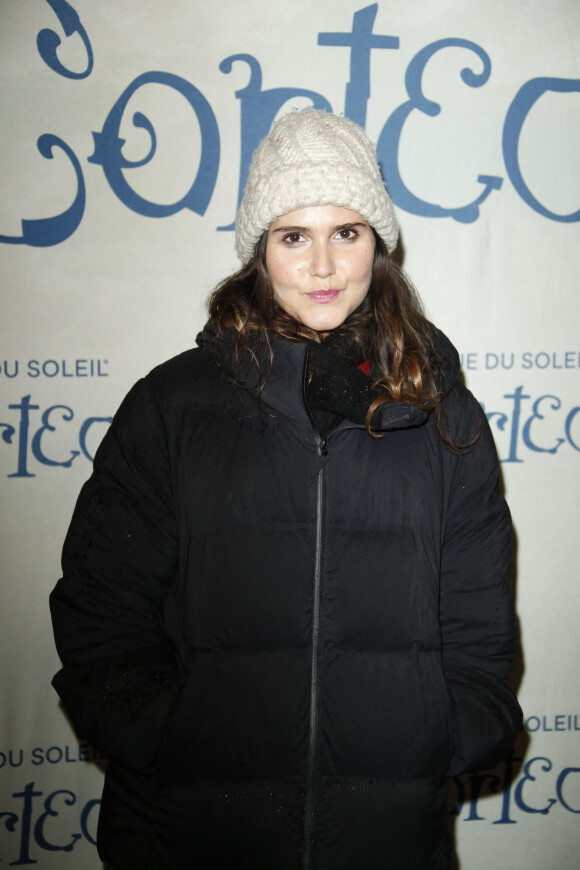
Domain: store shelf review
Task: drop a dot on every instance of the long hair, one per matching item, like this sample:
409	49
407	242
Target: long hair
388	326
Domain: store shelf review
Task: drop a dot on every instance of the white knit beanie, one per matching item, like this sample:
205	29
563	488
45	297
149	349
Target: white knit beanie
310	158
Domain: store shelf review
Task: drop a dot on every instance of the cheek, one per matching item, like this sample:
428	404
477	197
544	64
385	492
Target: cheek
362	270
283	275
273	266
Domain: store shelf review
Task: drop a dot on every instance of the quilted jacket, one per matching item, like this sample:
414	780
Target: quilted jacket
284	644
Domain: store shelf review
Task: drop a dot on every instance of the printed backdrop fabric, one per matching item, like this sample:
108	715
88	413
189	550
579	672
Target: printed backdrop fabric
127	129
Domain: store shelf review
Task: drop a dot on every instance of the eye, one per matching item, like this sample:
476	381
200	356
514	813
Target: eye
292	238
347	234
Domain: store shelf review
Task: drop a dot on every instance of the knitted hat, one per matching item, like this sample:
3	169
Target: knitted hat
313	158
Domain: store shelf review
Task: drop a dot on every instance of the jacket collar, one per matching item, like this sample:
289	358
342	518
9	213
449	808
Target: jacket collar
281	389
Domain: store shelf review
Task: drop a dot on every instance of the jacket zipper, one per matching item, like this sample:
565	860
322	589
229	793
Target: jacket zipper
310	794
310	797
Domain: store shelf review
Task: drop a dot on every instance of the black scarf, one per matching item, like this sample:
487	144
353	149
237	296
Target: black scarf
335	387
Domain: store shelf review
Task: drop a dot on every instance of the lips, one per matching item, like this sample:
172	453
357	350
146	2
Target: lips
322	296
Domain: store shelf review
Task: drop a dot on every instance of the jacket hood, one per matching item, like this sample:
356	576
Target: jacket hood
280	385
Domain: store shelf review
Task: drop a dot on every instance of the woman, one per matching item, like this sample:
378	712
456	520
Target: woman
285	612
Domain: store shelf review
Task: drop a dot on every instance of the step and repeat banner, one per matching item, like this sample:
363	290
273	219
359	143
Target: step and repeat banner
127	131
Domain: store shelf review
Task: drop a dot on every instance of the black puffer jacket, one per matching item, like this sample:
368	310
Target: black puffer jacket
284	646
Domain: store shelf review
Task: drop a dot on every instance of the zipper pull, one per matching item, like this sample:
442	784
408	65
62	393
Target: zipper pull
323	447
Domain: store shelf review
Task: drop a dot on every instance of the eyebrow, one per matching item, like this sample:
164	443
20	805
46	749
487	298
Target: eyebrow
295	229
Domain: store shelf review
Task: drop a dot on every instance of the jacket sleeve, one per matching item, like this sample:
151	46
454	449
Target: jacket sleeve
120	675
477	619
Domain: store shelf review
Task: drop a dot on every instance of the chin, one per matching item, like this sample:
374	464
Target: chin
324	324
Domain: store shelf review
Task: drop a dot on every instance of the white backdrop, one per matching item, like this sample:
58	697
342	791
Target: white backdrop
105	268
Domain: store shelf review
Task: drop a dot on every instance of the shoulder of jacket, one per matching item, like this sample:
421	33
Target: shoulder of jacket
462	401
464	414
178	367
468	423
191	377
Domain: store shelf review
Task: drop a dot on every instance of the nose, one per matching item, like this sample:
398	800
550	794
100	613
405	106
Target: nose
321	260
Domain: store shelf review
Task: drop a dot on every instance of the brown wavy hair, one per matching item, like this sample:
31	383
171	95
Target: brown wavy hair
389	327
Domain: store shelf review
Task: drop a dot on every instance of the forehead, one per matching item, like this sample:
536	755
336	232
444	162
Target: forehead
318	216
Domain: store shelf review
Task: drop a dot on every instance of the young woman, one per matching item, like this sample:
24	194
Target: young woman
285	612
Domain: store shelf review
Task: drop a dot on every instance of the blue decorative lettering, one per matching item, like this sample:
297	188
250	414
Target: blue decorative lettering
108	149
28	796
568	426
48	41
361	41
36	446
39	836
528	777
8	432
36	833
389	139
258	110
24	407
505	818
518	397
43	232
524	100
477	780
560	785
536	415
11	820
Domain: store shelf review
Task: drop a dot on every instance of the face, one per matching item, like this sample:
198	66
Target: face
320	262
